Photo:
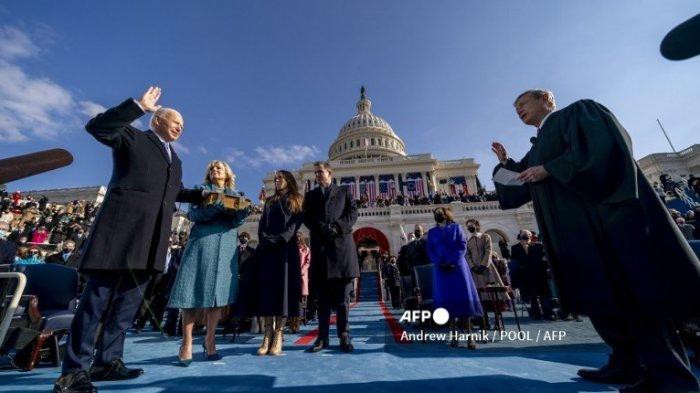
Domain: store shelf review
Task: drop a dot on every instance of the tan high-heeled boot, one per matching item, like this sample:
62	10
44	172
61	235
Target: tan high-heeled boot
267	338
276	347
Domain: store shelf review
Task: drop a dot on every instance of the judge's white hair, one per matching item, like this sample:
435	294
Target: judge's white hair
539	93
162	113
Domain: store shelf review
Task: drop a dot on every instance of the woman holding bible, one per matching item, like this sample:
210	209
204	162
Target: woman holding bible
207	280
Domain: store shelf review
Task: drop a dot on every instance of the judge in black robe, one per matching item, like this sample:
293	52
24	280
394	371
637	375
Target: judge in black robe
615	252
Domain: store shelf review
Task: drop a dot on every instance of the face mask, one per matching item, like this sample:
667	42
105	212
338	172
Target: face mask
243	240
66	251
440	218
3	234
471	229
418	234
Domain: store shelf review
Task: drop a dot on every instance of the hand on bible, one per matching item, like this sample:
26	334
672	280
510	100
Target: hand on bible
533	174
150	98
500	152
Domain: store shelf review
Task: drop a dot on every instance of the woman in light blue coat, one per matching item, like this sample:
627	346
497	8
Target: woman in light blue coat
207	280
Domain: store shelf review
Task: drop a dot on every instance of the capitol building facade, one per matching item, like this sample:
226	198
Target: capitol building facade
370	158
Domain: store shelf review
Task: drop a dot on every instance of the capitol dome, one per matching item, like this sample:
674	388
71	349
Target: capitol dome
366	135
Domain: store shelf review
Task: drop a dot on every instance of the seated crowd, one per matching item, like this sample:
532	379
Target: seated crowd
437	198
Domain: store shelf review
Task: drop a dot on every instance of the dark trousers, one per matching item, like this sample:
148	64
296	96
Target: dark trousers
541	307
110	297
395	296
171	325
334	294
154	303
654	343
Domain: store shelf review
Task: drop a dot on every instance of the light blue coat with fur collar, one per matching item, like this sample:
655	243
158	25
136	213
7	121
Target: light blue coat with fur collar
208	275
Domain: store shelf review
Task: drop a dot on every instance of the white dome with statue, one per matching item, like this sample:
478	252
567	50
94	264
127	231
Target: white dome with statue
366	135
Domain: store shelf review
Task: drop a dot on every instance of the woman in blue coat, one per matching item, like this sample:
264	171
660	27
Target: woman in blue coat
207	280
453	285
277	262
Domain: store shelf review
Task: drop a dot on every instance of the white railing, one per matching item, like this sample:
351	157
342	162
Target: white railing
373	211
379	160
12	306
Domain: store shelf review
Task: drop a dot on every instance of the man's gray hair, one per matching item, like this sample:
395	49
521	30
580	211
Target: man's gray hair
525	232
538	93
162	113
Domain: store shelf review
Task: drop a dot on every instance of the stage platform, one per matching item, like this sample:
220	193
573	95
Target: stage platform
379	363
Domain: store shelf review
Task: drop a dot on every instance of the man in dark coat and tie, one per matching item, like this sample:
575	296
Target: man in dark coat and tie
615	253
67	256
129	238
413	254
330	213
527	257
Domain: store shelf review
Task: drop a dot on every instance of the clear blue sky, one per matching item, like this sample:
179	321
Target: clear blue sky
268	84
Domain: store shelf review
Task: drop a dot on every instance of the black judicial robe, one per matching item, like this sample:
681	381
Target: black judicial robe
612	245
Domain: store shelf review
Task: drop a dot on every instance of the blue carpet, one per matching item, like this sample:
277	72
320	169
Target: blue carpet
379	364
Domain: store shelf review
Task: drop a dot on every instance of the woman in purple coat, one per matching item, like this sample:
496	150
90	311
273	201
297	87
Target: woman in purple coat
453	285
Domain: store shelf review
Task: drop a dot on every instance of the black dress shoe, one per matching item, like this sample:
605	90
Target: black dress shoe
319	344
114	371
346	345
78	382
609	374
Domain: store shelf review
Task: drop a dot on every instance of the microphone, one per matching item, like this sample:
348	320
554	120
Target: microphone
19	167
681	43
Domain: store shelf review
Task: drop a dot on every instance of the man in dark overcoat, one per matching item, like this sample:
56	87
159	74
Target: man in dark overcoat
615	253
413	254
533	273
128	240
330	213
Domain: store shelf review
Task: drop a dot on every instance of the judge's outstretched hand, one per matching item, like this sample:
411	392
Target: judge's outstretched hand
150	98
500	152
533	174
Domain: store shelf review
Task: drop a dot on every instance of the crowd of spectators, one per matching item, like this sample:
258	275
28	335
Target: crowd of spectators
437	198
37	231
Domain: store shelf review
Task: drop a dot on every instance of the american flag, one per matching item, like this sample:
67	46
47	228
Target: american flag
414	185
387	187
458	183
349	182
367	185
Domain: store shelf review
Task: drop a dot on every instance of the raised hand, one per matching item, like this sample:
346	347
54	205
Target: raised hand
150	98
500	152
